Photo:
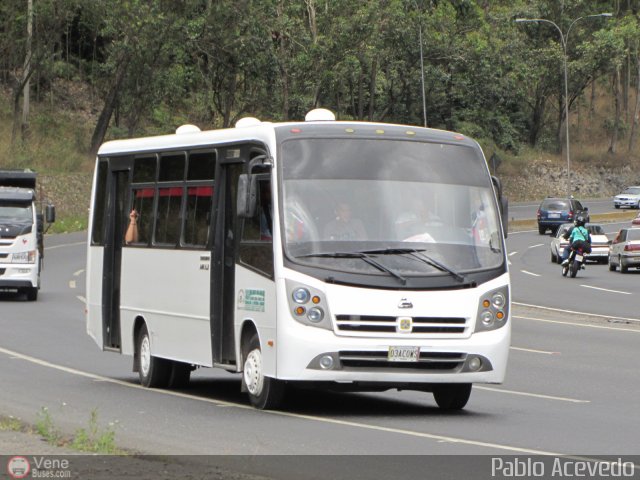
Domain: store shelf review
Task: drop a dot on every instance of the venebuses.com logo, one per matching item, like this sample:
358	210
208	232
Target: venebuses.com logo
18	467
38	467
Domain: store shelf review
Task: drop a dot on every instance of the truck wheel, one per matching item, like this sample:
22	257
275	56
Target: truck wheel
265	393
154	372
452	396
32	294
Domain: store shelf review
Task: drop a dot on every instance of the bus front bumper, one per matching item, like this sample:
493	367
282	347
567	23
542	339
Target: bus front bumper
18	275
325	357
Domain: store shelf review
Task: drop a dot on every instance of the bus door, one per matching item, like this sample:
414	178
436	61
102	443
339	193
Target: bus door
224	254
117	190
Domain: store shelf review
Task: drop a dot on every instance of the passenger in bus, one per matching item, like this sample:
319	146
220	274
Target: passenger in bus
131	235
344	226
417	222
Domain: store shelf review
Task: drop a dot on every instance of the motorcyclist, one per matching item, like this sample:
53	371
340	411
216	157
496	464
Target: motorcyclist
578	235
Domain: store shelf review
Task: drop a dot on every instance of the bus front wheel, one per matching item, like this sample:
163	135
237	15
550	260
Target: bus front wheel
264	392
452	396
154	372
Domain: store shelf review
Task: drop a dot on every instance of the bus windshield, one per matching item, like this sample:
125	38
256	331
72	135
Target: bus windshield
15	212
345	201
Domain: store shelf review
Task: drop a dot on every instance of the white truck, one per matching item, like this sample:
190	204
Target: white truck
21	233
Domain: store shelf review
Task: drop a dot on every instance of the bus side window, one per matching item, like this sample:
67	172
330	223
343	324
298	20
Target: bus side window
168	217
256	241
143	205
198	216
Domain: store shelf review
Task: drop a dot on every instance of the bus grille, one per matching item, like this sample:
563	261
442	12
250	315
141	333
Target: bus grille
386	324
428	361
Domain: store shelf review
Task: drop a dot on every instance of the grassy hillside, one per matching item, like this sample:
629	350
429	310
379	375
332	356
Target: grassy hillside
61	124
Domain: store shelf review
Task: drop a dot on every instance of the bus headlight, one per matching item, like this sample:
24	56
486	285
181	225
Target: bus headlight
308	305
24	257
301	295
493	310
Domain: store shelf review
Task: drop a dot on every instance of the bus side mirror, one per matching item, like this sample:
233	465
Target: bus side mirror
503	204
50	213
246	201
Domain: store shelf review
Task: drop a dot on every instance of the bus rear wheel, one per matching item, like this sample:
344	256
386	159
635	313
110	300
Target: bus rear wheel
452	396
265	393
154	372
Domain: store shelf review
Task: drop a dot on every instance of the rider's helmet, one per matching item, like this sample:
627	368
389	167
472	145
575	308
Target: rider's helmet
580	221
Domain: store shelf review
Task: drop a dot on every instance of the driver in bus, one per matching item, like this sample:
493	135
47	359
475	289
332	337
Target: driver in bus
344	226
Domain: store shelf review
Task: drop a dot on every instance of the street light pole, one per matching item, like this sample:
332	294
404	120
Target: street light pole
424	100
564	38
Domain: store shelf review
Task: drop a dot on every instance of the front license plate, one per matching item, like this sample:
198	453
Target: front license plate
579	258
403	354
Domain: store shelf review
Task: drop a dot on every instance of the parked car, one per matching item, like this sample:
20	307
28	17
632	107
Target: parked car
599	243
629	198
625	250
553	212
636	221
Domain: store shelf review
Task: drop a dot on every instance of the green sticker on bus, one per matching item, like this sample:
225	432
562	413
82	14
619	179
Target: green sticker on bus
251	300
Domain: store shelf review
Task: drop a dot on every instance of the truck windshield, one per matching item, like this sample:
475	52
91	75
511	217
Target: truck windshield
388	199
16	212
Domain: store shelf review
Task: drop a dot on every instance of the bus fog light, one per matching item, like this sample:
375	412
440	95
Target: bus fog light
487	318
315	315
326	362
475	364
300	295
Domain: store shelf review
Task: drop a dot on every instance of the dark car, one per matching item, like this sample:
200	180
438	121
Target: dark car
553	212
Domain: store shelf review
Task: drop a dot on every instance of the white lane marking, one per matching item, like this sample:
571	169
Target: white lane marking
535	395
65	245
512	253
531	350
530	273
597	315
78	273
81	298
411	433
537	245
573	324
72	284
606	290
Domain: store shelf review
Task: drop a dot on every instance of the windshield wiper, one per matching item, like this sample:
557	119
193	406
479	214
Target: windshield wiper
363	256
420	255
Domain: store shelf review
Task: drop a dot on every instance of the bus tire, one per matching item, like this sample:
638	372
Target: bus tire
452	396
32	294
265	393
180	375
154	372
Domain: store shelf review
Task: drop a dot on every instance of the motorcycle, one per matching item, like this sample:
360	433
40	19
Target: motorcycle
576	261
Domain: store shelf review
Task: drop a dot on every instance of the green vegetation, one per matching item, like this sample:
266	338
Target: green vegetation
100	70
10	423
95	440
92	439
46	429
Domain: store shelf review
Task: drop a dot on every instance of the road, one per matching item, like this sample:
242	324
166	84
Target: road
527	210
538	281
571	388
